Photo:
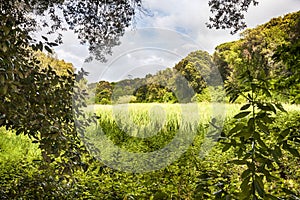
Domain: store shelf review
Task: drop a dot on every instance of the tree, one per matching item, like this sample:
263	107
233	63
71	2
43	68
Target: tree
254	73
39	102
229	14
104	92
256	149
196	68
288	53
60	66
276	41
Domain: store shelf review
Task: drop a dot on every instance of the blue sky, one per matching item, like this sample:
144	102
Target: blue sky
174	28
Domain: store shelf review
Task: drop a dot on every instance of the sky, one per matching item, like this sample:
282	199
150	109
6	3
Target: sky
160	40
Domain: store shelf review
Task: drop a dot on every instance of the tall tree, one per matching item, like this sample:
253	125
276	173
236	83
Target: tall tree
39	102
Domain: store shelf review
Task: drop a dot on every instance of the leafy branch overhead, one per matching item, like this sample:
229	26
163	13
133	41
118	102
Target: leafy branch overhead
99	24
229	14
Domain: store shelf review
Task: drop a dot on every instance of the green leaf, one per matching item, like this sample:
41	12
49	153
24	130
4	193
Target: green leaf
256	135
250	97
238	162
284	133
271	197
245	134
259	186
242	114
251	166
272	108
237	128
267	119
246	173
245	184
263	127
269	177
226	147
233	98
280	107
266	92
293	151
18	132
51	44
266	107
245	107
287	191
45	38
251	124
277	152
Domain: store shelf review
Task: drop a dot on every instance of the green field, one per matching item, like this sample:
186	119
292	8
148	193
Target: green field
129	138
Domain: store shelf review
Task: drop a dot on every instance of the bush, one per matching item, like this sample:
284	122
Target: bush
126	99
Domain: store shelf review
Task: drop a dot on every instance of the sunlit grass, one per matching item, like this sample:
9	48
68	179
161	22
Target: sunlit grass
13	147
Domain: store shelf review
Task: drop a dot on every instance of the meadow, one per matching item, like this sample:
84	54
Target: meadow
145	151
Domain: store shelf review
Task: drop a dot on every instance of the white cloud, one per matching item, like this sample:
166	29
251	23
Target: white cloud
71	50
176	28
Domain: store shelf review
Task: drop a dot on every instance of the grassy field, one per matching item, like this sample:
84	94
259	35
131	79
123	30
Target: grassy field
167	146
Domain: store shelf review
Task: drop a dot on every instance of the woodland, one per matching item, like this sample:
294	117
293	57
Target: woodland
48	148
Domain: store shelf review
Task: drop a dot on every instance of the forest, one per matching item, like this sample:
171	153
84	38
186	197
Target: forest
273	43
220	126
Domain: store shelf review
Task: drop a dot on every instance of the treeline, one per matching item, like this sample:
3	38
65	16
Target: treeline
275	49
178	84
185	82
200	76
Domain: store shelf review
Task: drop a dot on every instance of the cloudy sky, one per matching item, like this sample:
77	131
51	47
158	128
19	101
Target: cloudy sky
175	28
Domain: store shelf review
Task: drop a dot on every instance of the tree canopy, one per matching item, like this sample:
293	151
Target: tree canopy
229	14
36	99
196	72
276	43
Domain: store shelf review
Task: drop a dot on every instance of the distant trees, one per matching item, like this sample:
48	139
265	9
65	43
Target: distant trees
170	85
274	42
104	92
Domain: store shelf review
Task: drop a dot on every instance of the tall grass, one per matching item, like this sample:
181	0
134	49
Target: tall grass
14	148
149	128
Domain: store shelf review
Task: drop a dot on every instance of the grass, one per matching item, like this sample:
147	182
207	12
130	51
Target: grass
136	122
148	127
14	148
140	129
137	132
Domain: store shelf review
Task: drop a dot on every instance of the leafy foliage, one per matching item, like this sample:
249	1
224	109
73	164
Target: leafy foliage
37	100
276	42
100	24
229	14
195	72
251	137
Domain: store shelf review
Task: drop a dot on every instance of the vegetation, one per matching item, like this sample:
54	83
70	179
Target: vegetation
192	176
229	14
256	151
38	101
178	84
275	43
